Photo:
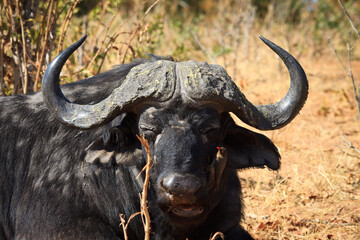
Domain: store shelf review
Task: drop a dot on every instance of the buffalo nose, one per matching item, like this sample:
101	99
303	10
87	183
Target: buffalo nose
176	184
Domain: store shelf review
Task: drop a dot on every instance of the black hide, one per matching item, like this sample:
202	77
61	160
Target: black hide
58	182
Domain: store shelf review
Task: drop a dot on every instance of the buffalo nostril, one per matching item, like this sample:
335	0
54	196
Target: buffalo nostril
176	184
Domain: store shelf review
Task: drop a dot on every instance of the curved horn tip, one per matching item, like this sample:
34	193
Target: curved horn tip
60	60
68	51
79	42
50	82
266	41
82	39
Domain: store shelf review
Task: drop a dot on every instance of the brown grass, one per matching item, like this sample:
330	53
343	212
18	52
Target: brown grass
315	194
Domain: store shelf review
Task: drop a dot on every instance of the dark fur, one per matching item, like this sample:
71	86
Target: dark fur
54	186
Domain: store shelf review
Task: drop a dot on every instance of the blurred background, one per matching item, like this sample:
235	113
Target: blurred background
315	195
34	31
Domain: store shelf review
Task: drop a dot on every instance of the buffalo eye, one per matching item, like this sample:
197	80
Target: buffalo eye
149	131
210	129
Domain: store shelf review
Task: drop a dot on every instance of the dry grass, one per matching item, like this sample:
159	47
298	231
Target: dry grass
315	194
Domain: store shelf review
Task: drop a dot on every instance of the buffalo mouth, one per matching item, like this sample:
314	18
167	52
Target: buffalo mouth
183	214
187	210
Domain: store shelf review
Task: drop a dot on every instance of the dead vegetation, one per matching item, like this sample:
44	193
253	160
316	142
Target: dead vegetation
143	196
315	194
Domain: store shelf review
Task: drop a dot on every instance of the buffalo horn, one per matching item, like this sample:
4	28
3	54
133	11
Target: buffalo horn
134	90
277	115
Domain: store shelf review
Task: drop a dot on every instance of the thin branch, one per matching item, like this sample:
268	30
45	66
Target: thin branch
357	97
203	48
216	235
38	43
47	33
329	222
134	33
349	18
100	20
24	61
109	45
337	214
2	44
143	196
116	35
31	61
102	42
65	26
326	178
125	223
15	46
349	71
52	31
144	208
350	145
337	56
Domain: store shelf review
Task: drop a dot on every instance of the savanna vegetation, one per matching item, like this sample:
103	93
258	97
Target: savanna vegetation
316	193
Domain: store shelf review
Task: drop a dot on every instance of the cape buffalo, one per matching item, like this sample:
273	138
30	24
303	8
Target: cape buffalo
69	156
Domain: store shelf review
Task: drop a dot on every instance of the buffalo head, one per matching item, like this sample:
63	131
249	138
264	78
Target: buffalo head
182	109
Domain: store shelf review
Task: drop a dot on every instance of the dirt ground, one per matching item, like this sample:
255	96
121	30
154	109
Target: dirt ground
315	194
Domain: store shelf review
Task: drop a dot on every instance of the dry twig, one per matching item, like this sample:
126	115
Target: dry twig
135	32
99	31
24	61
337	214
13	39
102	43
125	223
113	38
350	74
203	48
350	145
65	25
2	44
349	71
216	235
349	18
38	43
329	222
47	33
143	196
144	208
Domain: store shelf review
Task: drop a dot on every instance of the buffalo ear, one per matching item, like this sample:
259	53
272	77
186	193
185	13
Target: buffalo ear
248	149
116	145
